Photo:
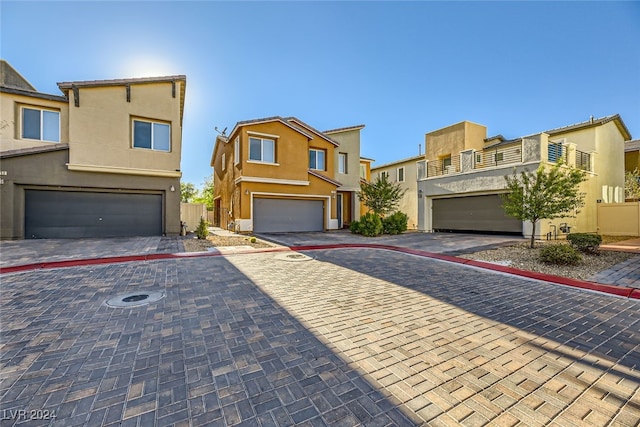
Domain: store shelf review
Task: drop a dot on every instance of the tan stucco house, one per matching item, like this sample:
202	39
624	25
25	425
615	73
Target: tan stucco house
465	174
279	174
405	173
102	159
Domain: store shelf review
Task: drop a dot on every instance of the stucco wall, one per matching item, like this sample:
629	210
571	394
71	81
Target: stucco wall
409	201
454	139
100	129
11	122
48	171
349	144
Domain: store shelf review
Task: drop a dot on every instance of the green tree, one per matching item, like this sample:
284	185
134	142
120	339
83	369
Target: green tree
381	196
632	184
187	192
205	195
544	194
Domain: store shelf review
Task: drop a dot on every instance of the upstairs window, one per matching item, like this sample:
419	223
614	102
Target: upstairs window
316	159
43	125
262	150
401	174
342	163
151	135
363	171
384	175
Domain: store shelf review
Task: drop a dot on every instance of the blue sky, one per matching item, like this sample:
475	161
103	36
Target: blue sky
400	68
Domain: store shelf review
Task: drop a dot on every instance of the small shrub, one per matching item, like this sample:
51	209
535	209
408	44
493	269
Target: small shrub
354	227
202	231
370	225
396	223
560	254
585	242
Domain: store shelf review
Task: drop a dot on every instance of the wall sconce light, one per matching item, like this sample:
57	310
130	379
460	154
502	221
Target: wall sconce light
172	188
246	192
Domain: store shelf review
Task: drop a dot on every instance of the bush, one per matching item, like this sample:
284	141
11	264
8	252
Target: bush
354	227
202	231
370	225
585	242
560	254
395	224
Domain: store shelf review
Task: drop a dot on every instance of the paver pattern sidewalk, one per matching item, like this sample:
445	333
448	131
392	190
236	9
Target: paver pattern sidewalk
351	337
626	273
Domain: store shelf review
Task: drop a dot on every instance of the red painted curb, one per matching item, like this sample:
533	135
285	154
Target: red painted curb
582	284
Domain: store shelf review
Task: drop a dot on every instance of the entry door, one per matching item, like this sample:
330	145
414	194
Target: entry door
339	209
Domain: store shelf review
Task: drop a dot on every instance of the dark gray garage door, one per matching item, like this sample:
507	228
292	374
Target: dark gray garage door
73	214
474	213
280	215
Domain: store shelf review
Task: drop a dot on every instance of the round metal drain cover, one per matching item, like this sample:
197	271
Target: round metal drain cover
293	257
134	299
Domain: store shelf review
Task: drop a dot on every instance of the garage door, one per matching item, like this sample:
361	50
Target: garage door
73	214
474	213
281	215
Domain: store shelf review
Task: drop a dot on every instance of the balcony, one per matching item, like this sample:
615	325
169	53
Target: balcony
525	150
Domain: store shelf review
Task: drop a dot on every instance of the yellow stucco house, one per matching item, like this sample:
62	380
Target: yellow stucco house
280	174
102	159
632	155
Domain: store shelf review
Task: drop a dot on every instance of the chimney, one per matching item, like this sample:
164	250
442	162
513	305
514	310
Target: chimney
591	119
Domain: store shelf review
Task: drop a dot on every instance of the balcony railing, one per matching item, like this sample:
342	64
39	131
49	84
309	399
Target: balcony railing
497	157
449	165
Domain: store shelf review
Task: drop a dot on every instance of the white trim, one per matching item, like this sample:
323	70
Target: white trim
270	180
348	188
41	110
122	170
258	162
236	150
268	135
346	159
224	161
332	224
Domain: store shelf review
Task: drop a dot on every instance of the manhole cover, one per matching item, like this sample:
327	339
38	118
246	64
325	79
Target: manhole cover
292	257
134	299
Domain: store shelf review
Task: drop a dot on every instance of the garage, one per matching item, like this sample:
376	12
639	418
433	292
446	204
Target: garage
76	214
282	215
473	214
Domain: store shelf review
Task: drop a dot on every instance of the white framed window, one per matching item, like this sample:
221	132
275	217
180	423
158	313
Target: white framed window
400	175
224	161
40	124
236	151
421	169
384	175
363	171
342	162
151	135
317	159
262	150
478	158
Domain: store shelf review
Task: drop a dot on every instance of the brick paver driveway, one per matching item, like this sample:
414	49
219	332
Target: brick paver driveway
349	337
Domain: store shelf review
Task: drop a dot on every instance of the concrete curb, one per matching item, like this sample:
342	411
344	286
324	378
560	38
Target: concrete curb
621	291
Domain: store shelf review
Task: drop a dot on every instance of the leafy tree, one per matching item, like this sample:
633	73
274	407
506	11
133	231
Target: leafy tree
205	196
632	184
381	196
187	192
545	194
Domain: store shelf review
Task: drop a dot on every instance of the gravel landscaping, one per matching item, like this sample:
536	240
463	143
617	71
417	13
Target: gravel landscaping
522	257
201	245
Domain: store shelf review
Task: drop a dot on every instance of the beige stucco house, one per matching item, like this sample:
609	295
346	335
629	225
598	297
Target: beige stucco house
280	174
405	173
465	174
100	160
